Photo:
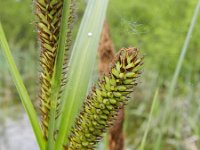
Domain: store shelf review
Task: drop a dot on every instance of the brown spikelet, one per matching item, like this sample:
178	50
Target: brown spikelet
106	55
48	25
106	50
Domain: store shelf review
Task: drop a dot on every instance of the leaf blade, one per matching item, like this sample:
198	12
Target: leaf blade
83	55
25	98
58	71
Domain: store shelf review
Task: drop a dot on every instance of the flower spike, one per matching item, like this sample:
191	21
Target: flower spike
104	101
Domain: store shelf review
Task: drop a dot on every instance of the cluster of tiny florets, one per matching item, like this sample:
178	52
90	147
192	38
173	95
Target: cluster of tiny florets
106	98
48	27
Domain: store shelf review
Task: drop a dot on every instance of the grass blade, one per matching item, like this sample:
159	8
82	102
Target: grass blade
149	121
81	65
177	72
58	70
26	101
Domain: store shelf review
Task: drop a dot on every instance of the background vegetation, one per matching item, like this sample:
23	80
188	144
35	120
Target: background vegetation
158	28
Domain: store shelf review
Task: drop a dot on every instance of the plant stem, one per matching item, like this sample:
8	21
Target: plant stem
149	121
177	72
56	80
26	101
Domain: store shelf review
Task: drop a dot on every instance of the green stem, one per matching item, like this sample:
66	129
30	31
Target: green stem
177	72
56	80
26	101
149	121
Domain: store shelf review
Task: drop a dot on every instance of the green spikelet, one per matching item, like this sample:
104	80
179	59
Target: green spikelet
106	98
49	17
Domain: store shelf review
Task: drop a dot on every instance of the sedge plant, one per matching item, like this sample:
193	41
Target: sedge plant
65	73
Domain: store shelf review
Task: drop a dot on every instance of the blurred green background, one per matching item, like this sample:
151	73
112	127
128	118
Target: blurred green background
158	28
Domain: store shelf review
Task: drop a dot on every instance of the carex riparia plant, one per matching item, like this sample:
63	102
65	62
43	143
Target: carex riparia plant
69	118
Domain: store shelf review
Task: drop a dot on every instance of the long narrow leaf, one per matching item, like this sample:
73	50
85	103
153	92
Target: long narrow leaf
149	121
177	72
57	76
26	101
81	65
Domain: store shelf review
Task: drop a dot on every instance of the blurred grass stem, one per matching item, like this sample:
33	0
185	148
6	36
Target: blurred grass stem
25	98
176	74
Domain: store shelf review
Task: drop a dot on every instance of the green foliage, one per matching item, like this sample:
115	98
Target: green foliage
54	34
156	27
153	108
26	101
17	17
83	56
173	84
